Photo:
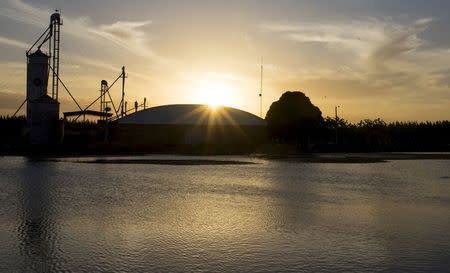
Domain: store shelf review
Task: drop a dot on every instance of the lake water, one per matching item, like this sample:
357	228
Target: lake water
272	216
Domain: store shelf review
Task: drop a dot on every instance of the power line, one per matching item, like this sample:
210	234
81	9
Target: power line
18	109
62	83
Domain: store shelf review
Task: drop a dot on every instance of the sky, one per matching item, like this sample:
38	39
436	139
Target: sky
386	59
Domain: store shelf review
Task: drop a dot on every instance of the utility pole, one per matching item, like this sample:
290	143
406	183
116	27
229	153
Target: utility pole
123	92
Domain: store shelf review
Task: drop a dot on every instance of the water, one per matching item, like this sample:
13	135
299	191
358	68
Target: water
268	217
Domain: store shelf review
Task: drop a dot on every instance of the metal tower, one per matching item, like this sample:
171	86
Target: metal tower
55	23
52	35
104	108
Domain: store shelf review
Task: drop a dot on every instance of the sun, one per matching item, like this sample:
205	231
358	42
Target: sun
214	93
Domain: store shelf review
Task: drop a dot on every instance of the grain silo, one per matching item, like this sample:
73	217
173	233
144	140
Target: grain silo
42	109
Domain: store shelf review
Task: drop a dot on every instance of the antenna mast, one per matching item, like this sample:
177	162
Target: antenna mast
261	90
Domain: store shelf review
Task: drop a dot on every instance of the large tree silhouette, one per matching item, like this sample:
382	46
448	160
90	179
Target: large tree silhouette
293	118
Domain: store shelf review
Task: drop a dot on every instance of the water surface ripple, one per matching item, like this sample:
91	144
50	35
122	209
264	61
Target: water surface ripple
272	216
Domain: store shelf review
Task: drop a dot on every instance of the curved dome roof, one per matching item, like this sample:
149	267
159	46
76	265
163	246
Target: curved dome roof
193	114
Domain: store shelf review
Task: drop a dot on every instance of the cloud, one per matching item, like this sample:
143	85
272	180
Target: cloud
371	38
12	42
355	35
127	35
20	11
383	51
400	40
125	30
384	58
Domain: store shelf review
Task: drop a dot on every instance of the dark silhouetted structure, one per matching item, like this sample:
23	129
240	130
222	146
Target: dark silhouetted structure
42	109
190	127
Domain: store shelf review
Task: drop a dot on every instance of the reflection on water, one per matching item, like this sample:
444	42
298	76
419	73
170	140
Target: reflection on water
37	230
264	217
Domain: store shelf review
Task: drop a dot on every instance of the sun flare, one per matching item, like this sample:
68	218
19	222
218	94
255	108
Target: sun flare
214	93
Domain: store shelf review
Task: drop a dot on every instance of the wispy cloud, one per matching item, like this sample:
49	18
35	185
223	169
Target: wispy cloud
384	58
12	42
20	11
125	31
127	35
399	41
371	38
381	49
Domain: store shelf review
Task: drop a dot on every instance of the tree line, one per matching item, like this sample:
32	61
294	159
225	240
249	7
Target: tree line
293	119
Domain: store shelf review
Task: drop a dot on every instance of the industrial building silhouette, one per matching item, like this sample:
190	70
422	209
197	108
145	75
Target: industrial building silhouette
155	128
194	125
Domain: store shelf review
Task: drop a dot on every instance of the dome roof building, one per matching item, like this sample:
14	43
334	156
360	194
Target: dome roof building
191	125
193	114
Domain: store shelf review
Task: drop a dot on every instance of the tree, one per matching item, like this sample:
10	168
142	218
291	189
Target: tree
293	118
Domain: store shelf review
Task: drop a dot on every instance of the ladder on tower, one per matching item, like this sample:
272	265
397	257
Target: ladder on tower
56	41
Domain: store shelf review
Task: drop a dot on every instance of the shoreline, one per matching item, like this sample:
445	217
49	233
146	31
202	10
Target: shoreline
218	159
